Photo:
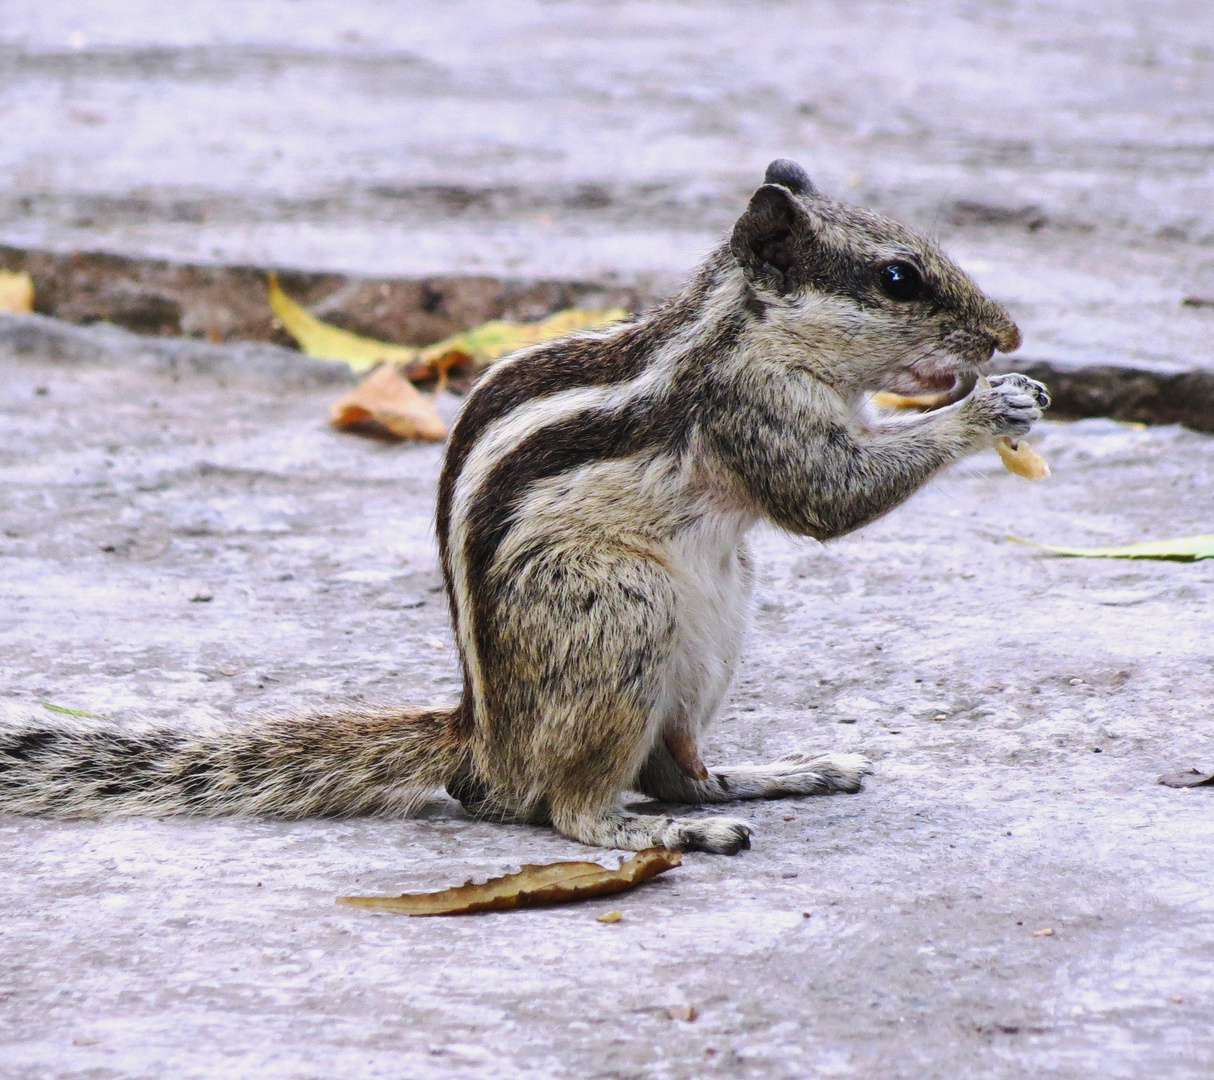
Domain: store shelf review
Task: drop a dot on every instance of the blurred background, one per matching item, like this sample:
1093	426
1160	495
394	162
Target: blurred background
1063	151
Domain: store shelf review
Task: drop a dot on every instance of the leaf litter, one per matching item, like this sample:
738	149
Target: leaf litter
387	401
64	710
326	342
1181	549
535	885
1188	778
16	292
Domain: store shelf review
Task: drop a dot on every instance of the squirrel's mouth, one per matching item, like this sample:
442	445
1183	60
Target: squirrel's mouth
956	358
934	374
929	384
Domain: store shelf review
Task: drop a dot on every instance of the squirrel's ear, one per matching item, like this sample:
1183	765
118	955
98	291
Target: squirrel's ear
765	239
790	175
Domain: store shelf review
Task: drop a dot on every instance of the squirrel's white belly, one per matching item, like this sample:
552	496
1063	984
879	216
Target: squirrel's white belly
711	570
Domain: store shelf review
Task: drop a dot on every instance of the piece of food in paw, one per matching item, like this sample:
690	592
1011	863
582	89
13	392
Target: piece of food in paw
1020	458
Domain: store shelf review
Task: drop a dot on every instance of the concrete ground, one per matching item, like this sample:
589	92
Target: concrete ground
891	933
1061	150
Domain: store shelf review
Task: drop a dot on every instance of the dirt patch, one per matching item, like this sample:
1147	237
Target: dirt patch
228	303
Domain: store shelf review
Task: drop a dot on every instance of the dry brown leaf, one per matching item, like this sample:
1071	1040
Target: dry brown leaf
387	399
1189	778
1022	459
16	292
532	886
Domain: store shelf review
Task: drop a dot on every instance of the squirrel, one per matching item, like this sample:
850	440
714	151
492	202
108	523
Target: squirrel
592	515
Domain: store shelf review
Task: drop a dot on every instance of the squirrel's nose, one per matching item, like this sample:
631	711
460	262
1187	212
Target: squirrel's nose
1007	336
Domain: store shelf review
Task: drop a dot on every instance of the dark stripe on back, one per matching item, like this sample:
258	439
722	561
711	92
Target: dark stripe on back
566	364
577	440
561	365
553	368
660	422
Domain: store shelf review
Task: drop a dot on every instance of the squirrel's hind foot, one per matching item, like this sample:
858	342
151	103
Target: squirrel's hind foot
718	835
636	832
801	773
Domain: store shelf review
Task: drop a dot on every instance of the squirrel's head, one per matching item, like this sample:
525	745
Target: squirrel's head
876	303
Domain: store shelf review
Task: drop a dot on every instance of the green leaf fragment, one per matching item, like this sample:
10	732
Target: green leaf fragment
72	712
1181	549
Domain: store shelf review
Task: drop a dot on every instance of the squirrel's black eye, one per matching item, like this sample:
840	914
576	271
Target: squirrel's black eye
900	281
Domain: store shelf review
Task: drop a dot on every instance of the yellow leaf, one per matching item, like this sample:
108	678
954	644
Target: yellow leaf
532	886
481	345
1182	549
490	341
327	342
16	292
386	398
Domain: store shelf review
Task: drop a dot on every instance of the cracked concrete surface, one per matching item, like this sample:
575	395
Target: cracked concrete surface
892	933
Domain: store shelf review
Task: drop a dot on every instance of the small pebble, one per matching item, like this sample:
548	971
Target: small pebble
610	916
940	716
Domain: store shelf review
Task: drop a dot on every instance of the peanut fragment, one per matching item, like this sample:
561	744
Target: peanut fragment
1022	459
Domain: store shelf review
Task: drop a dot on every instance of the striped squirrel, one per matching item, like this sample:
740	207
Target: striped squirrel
592	517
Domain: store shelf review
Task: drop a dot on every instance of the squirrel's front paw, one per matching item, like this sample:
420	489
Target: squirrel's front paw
1006	405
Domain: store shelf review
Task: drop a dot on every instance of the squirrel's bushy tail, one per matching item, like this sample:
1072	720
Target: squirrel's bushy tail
335	765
